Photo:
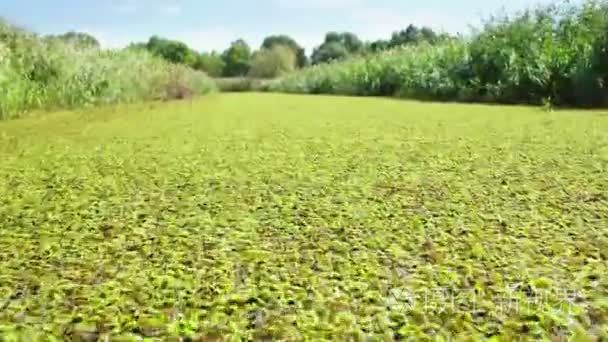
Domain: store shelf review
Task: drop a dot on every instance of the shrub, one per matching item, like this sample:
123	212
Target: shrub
242	84
211	63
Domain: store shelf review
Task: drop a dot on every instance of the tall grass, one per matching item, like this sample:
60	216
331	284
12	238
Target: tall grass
412	69
553	54
37	73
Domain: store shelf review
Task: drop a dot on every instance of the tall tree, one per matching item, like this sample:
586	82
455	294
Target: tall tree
337	46
413	35
80	39
137	46
379	45
273	62
429	35
237	59
171	50
284	40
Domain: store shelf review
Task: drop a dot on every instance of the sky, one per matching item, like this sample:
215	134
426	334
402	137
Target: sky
207	25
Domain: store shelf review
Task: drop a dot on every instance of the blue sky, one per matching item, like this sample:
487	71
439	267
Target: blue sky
212	24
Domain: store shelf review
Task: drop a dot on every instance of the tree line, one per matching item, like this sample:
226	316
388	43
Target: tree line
278	54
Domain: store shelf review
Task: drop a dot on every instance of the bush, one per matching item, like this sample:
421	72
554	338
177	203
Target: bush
242	84
40	73
273	62
211	63
555	54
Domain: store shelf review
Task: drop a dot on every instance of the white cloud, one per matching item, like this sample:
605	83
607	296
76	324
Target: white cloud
207	39
124	6
171	9
132	6
309	40
219	38
371	22
319	4
381	22
111	40
362	17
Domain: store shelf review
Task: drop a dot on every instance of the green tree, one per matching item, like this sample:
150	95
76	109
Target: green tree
80	39
137	46
351	42
378	45
211	63
237	59
172	50
411	35
284	40
273	62
428	35
337	46
414	35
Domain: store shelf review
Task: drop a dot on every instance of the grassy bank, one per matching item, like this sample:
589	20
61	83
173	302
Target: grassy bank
38	73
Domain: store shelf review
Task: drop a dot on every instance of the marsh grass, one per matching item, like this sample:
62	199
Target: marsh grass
37	73
548	54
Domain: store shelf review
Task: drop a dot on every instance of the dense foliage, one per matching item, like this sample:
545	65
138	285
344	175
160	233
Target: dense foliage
243	84
284	40
237	58
210	62
77	38
171	50
337	46
555	54
274	217
273	62
411	35
235	61
412	69
42	73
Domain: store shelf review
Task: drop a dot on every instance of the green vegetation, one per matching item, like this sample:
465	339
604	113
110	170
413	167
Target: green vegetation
273	62
410	36
211	63
286	41
337	46
409	71
286	217
280	216
70	71
76	38
549	55
171	50
237	59
243	84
